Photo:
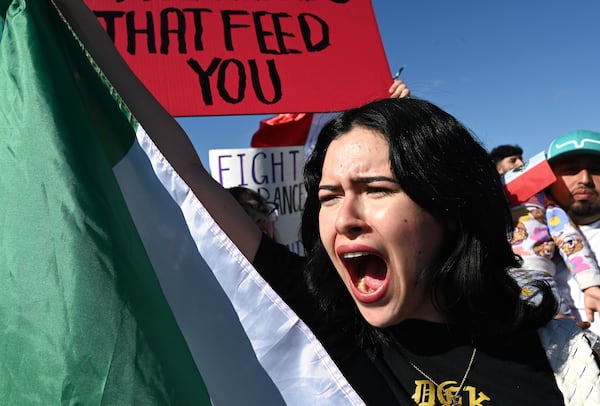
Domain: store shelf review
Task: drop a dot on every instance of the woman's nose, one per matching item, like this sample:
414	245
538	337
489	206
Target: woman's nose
349	220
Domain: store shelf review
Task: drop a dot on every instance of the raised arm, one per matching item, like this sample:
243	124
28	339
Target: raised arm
165	132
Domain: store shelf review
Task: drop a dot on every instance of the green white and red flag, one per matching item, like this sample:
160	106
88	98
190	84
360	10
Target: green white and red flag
118	288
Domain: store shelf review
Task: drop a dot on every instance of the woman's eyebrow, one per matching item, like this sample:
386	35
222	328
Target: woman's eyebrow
361	180
371	179
329	187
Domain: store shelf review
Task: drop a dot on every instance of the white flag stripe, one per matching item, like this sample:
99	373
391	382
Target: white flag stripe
218	344
300	370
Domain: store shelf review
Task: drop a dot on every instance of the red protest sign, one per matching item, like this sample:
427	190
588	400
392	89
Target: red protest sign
224	57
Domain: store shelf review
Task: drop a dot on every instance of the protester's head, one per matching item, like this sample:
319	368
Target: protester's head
406	207
575	160
262	212
506	157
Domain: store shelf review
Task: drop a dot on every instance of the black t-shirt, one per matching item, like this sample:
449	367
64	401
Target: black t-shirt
512	370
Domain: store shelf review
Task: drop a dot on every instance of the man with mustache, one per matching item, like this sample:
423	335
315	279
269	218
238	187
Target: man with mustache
575	159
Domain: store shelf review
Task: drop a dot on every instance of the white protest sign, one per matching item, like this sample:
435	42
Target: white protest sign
275	173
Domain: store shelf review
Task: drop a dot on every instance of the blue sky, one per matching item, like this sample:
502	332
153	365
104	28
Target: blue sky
518	72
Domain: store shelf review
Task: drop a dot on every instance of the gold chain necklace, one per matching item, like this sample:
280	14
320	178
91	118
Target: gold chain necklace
454	397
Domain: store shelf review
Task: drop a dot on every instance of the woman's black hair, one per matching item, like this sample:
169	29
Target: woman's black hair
447	172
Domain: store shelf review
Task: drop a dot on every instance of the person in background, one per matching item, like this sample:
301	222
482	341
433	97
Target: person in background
263	213
506	157
541	228
575	160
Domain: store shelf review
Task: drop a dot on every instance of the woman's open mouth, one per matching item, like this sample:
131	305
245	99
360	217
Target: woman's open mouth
368	274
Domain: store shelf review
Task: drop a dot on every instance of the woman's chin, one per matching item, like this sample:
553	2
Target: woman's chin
379	317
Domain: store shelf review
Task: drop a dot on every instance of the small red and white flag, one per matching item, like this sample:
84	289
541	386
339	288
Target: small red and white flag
524	181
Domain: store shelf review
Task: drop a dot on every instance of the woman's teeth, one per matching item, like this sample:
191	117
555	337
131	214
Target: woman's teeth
350	255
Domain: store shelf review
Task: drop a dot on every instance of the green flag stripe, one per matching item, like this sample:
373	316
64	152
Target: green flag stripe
82	316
